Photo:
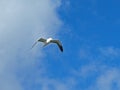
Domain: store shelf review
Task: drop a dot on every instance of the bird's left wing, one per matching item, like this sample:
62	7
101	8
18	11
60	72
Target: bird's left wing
34	44
42	40
39	40
58	43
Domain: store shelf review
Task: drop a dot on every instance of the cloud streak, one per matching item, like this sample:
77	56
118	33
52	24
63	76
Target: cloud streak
107	80
100	70
21	23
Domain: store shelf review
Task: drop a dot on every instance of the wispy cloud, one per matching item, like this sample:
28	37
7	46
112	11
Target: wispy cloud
108	80
99	71
54	84
95	53
111	52
21	23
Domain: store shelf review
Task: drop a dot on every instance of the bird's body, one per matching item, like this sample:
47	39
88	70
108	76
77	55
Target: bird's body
48	41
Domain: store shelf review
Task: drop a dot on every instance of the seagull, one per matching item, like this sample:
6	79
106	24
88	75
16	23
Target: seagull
48	41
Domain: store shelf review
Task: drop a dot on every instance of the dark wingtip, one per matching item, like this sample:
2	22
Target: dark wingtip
61	48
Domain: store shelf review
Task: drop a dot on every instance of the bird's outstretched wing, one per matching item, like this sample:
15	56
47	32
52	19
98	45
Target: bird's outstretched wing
58	43
39	40
42	40
34	44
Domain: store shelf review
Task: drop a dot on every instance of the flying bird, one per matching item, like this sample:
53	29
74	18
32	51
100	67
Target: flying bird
48	41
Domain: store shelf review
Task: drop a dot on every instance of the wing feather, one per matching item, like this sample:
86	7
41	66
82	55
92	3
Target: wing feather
34	44
39	40
42	40
58	43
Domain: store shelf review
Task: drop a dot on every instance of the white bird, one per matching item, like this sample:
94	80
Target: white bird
48	41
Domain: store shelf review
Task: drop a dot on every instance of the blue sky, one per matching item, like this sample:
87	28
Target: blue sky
88	30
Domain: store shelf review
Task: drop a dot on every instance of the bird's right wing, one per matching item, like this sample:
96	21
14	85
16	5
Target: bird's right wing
58	43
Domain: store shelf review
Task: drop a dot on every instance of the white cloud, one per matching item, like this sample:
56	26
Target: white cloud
108	80
101	67
21	23
111	52
86	71
99	53
54	84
